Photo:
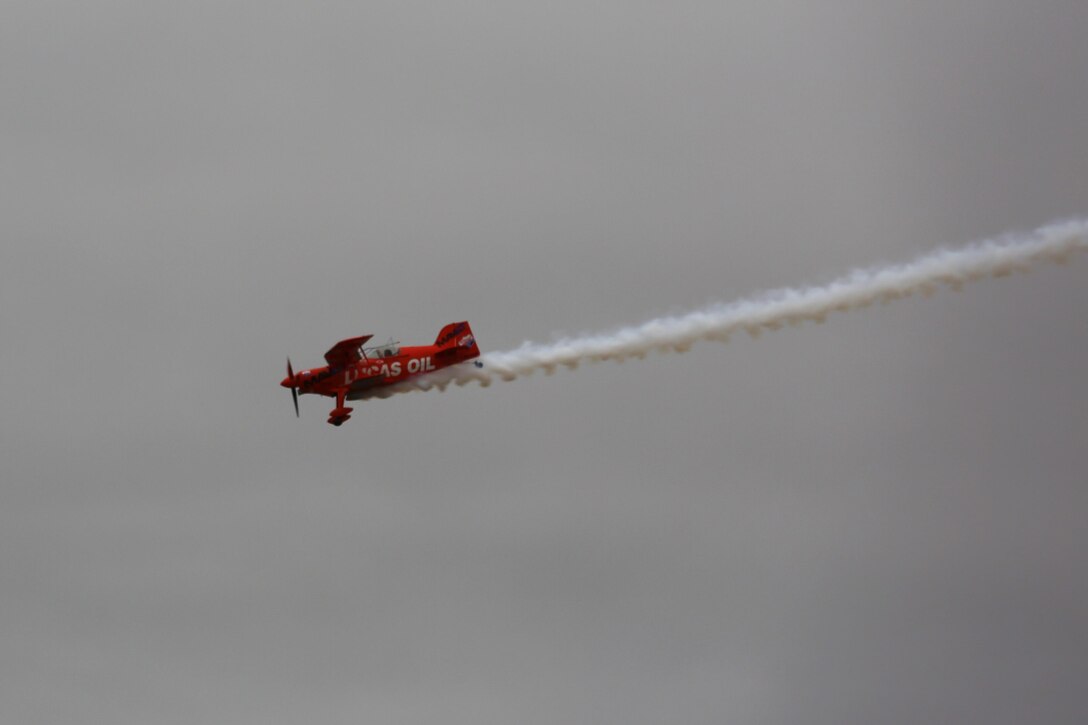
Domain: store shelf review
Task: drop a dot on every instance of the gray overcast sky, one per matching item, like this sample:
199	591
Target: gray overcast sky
880	519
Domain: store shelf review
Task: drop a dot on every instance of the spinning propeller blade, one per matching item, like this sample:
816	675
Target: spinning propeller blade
294	391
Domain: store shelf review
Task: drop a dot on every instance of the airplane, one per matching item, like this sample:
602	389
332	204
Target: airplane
353	370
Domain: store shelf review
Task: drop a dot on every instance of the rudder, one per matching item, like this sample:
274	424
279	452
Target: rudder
456	334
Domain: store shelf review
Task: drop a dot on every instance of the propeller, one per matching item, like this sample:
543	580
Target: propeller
294	391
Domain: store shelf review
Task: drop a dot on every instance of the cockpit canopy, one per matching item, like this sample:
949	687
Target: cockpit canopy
389	349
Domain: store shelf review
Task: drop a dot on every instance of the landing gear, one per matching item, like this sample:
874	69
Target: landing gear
340	413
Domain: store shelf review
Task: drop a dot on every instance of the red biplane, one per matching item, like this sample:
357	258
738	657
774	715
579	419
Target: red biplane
354	370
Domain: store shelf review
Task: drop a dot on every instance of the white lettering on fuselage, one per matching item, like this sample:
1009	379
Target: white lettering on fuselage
388	370
420	365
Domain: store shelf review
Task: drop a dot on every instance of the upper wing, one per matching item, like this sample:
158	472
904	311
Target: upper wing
346	351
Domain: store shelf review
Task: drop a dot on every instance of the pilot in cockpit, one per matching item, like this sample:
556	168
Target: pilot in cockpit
389	349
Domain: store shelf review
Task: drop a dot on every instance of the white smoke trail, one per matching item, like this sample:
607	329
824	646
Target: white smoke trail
771	310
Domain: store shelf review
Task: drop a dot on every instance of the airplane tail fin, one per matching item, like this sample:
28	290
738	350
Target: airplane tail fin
458	336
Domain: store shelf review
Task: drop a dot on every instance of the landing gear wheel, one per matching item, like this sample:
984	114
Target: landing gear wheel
337	416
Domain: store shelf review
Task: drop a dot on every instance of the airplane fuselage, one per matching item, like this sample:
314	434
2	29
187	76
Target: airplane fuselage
370	372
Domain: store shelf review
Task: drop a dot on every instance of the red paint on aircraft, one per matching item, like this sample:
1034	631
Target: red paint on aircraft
353	370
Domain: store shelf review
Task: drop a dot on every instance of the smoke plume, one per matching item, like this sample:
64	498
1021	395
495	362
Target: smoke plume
946	268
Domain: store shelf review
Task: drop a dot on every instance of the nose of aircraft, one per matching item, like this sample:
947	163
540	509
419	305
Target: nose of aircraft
287	383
